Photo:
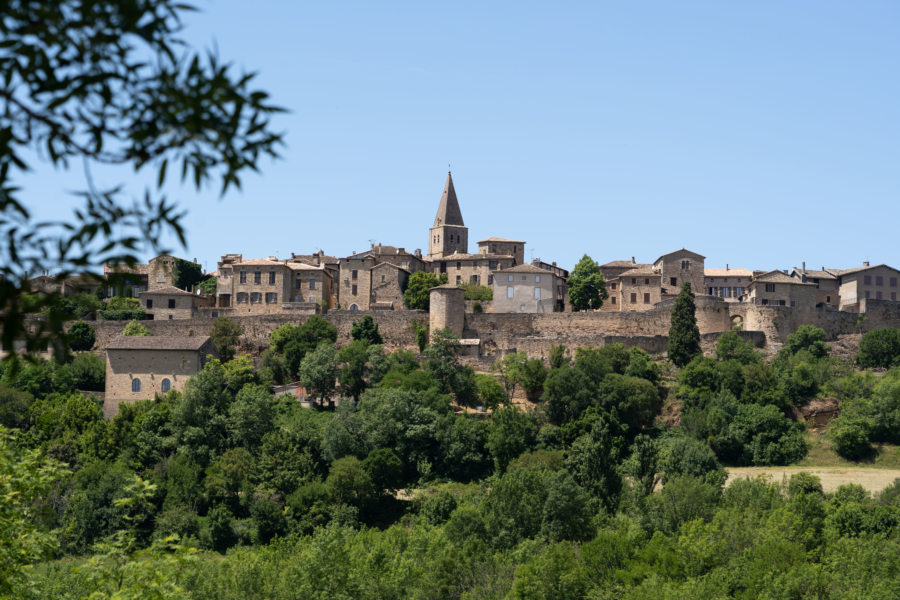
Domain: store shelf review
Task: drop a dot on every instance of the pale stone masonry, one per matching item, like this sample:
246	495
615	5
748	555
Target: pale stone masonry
827	284
156	274
270	286
449	233
637	289
777	288
728	284
525	289
879	282
172	303
678	267
139	367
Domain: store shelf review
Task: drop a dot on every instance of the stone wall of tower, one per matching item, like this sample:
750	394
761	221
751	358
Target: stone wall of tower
447	239
447	309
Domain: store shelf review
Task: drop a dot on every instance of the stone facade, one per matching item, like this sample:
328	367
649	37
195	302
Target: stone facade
131	281
677	267
635	290
470	268
388	283
503	246
172	303
728	284
270	286
777	288
525	289
827	284
138	368
879	282
449	233
447	309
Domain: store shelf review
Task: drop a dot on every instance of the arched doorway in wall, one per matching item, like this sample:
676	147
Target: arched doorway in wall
354	307
737	323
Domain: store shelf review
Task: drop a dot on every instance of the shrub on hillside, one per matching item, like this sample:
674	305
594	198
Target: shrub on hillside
879	348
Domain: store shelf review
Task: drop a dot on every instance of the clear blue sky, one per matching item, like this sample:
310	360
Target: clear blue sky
759	134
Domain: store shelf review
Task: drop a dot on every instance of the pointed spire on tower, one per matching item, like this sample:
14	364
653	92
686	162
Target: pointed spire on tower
448	211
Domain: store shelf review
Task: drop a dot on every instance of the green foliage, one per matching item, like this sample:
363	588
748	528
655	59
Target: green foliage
417	295
294	343
318	372
225	336
123	309
684	336
136	328
490	391
641	365
593	460
354	360
558	356
186	274
879	348
89	372
25	476
80	306
421	335
81	336
209	285
366	330
511	433
531	376
475	291
732	347
587	289
809	338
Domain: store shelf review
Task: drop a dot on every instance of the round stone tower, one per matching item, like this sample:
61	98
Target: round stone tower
447	308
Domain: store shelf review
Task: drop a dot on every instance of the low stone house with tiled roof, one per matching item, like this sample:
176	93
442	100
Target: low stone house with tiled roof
826	282
876	282
777	288
525	289
139	367
169	302
636	289
503	246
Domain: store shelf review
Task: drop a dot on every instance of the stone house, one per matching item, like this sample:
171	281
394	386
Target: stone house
777	288
878	282
172	303
614	268
389	281
376	278
562	283
526	289
827	284
131	281
677	267
504	247
270	286
139	367
471	268
637	289
728	284
449	233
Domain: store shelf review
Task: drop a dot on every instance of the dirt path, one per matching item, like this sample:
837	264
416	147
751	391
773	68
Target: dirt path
873	480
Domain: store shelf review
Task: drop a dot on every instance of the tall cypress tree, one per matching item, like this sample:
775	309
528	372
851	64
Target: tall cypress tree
684	336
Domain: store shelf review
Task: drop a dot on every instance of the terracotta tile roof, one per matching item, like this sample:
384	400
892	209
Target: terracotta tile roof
855	270
727	273
452	257
642	271
525	268
258	262
304	267
814	273
151	342
500	239
622	263
167	290
777	276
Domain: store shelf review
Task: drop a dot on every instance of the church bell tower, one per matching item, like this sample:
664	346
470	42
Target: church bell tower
448	234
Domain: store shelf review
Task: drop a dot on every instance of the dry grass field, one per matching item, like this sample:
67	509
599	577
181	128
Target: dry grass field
872	479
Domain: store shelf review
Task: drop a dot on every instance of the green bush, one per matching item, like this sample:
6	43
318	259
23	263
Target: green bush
879	348
81	336
475	291
850	439
136	329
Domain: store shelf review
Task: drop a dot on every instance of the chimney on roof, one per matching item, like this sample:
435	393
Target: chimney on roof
865	263
401	250
418	253
632	260
804	267
553	263
726	266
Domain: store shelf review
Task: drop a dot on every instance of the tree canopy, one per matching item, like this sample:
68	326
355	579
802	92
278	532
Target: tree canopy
684	335
587	289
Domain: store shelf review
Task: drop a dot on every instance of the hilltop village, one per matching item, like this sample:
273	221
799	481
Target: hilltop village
517	306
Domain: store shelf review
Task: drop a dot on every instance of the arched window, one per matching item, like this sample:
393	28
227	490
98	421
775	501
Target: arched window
166	385
354	307
135	385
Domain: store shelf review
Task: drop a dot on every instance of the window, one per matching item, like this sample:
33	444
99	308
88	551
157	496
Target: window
458	265
781	303
170	317
255	298
725	280
612	286
510	277
493	265
524	277
353	289
149	302
354	274
770	287
257	277
473	279
490	280
878	295
271	277
443	267
765	301
633	281
792	303
867	279
509	292
271	297
647	281
828	299
894	296
738	291
166	385
537	278
685	265
673	281
521	308
646	298
242	297
382	277
633	298
893	282
243	276
613	299
879	280
458	279
867	293
312	284
135	385
171	302
354	307
537	293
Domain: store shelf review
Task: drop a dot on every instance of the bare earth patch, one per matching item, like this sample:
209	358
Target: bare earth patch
874	480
